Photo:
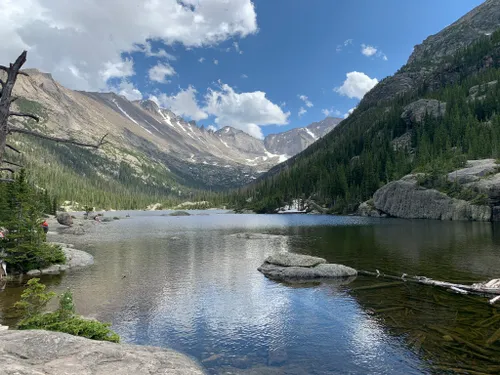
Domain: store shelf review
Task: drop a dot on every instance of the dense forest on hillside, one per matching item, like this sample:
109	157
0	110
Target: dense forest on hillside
348	165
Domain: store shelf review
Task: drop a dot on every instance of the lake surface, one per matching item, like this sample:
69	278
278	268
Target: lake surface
191	284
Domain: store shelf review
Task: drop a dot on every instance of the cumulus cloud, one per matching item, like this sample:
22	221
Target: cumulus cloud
368	50
160	72
349	112
247	111
183	103
81	42
302	111
356	85
216	62
128	90
306	101
201	59
211	128
244	76
237	48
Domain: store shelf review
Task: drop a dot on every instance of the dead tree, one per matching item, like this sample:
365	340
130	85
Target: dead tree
6	128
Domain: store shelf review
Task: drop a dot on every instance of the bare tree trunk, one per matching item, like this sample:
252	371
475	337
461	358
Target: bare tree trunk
6	100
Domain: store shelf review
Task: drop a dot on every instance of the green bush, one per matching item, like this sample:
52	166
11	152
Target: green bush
33	302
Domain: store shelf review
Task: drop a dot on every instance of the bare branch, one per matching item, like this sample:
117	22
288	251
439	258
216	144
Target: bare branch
12	163
4	68
19	114
55	139
12	100
13	148
7	169
23	73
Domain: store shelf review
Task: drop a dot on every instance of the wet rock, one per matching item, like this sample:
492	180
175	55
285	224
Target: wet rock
43	353
64	218
294	260
34	273
367	209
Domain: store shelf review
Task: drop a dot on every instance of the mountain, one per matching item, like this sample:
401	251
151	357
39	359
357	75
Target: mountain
151	150
296	140
438	111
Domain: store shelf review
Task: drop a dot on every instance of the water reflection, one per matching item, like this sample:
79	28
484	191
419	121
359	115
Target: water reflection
190	284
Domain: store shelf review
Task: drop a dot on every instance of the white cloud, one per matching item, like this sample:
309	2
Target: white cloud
90	36
128	90
346	43
306	101
216	62
302	111
368	50
211	128
331	111
184	103
116	69
201	59
160	72
244	76
147	49
246	111
349	112
356	85
282	104
237	48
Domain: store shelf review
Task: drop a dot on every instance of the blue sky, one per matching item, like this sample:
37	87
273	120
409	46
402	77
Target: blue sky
249	63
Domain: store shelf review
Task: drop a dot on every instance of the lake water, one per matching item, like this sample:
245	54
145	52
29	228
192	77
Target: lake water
190	284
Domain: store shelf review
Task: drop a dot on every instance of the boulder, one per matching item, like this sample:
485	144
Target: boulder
64	218
490	186
43	353
367	209
474	171
405	199
294	260
179	213
321	271
414	113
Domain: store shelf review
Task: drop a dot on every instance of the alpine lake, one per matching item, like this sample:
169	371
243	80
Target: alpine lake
191	283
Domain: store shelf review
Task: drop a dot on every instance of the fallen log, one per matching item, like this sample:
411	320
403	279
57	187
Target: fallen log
489	289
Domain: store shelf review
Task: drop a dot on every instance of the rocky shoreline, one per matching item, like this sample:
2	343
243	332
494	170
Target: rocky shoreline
54	353
74	259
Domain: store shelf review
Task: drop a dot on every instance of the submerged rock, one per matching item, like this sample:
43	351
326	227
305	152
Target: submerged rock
286	266
43	353
180	213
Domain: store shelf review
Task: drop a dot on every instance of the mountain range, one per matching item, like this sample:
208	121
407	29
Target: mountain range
157	147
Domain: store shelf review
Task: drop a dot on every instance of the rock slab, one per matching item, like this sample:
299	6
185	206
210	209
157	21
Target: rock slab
74	259
405	199
55	353
293	267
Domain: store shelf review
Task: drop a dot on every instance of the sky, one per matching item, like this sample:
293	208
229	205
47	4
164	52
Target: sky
263	66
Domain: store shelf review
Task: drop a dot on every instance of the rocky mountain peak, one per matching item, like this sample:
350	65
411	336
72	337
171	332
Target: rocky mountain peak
483	20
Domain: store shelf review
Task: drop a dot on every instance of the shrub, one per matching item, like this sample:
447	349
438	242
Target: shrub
34	300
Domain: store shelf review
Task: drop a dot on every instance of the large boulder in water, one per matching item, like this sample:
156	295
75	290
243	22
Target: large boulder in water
406	199
293	267
42	353
64	218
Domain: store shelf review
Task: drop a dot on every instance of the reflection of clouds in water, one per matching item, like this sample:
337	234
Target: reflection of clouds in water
231	299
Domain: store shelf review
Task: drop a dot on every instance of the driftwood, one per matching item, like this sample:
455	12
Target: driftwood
485	290
6	99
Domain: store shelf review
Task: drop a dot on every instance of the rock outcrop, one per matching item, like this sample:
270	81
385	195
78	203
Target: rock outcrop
54	353
414	113
64	218
74	259
368	209
296	267
474	171
406	199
